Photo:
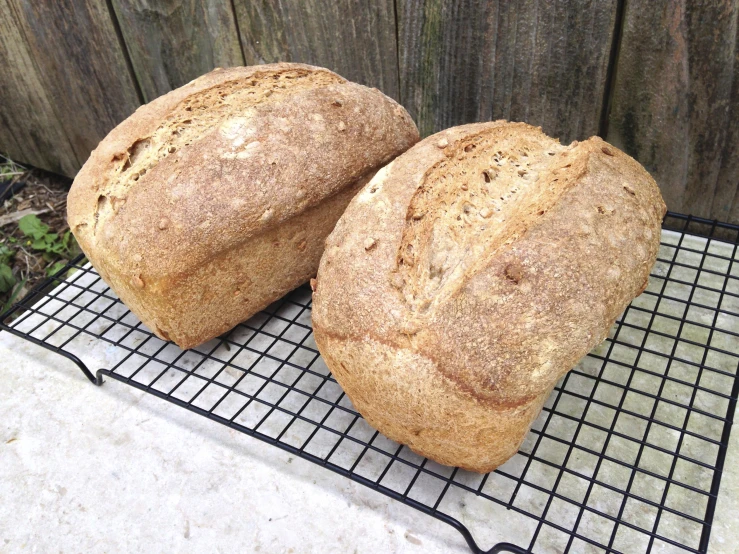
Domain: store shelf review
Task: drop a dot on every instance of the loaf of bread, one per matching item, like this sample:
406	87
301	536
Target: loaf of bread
214	200
471	274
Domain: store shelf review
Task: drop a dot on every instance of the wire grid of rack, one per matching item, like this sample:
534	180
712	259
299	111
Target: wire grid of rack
626	455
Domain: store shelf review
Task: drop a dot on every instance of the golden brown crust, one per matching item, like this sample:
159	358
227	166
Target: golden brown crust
499	258
227	159
241	281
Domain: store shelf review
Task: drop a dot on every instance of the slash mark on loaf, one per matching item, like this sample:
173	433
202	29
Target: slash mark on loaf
484	195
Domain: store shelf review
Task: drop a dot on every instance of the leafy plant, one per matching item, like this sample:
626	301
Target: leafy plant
13	295
8	282
9	169
7	279
53	268
54	249
39	236
51	244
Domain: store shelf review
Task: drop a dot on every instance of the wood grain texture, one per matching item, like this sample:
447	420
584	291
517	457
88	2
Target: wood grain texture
30	131
355	39
81	66
675	105
171	42
540	61
727	187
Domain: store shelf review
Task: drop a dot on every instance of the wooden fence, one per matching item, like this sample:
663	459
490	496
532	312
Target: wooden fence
658	78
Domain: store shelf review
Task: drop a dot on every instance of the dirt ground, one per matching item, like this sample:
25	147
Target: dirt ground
45	196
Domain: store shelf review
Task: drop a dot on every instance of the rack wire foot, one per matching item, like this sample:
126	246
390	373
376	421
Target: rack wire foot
94	379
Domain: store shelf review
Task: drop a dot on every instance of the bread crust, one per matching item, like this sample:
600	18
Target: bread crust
451	340
169	202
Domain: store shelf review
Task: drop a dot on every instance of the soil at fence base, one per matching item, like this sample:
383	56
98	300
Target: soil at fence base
46	194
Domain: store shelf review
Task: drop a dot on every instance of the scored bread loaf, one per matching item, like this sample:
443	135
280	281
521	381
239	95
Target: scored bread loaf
471	274
214	200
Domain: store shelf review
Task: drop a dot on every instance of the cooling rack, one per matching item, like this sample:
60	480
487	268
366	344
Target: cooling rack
626	456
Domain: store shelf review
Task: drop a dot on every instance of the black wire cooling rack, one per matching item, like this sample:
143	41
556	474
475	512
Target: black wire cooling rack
626	456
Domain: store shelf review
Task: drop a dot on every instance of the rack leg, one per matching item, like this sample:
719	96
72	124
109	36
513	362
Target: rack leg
95	380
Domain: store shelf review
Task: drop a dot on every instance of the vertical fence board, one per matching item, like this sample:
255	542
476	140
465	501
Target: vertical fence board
672	99
540	61
355	39
82	67
727	188
29	129
171	42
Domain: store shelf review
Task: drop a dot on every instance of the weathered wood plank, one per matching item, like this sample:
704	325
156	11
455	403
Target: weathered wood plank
355	39
672	100
727	188
29	129
171	42
544	62
81	66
